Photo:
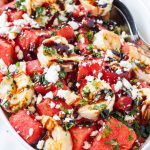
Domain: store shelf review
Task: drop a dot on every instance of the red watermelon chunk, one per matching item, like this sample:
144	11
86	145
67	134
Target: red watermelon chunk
51	107
115	134
31	38
14	15
34	66
80	135
89	67
7	52
29	129
66	32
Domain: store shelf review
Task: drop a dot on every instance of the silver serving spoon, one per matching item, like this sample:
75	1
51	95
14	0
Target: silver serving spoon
121	14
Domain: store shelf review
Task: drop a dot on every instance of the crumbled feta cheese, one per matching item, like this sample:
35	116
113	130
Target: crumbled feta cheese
108	98
100	75
3	66
118	71
22	66
52	104
52	74
129	118
29	20
134	92
49	95
56	117
118	86
40	144
19	52
57	106
70	7
62	17
55	23
74	25
94	133
100	21
126	84
82	40
89	78
70	97
12	68
67	120
4	20
39	98
86	145
77	84
126	65
109	54
31	130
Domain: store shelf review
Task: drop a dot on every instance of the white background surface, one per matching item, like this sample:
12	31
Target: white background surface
142	17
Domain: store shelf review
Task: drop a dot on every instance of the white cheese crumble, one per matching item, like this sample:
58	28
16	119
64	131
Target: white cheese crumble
49	95
19	52
62	17
129	118
118	86
74	25
22	66
4	20
94	133
69	7
39	99
127	65
52	74
126	84
77	84
89	78
70	97
86	145
31	130
12	68
118	71
3	66
52	104
40	144
100	75
56	117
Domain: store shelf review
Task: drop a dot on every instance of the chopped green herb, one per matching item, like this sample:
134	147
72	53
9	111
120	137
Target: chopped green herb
20	4
49	51
99	107
69	125
130	138
39	12
60	85
52	33
63	109
114	143
18	64
106	131
43	80
90	48
6	104
62	74
89	35
83	102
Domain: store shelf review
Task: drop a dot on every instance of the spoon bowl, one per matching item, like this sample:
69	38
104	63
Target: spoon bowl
121	14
